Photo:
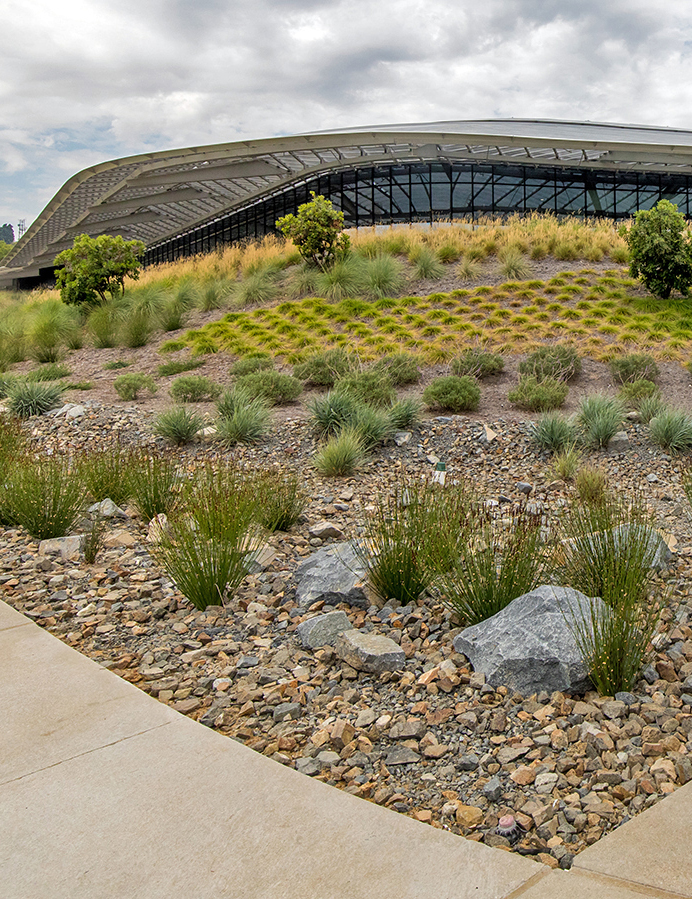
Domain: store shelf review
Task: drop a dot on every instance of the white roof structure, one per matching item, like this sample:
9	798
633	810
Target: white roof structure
156	196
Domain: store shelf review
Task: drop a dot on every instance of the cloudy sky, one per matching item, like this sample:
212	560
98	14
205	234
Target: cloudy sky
82	81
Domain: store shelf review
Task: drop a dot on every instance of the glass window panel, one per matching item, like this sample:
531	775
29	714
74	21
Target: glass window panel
540	193
569	197
441	195
509	193
483	192
462	197
420	195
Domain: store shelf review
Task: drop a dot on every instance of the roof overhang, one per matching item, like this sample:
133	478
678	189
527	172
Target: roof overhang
155	196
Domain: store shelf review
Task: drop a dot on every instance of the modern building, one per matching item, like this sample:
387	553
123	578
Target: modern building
187	201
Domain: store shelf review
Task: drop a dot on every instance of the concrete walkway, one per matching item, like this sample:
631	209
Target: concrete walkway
105	792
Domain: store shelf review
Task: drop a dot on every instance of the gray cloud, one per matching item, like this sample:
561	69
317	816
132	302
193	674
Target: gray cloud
85	80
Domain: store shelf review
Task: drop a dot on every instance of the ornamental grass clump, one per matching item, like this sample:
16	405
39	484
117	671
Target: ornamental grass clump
129	386
27	398
281	499
325	369
44	496
178	366
331	413
672	430
501	560
242	418
452	394
400	368
209	545
153	483
342	455
410	536
371	387
178	425
554	432
105	473
608	551
248	365
633	393
404	414
599	418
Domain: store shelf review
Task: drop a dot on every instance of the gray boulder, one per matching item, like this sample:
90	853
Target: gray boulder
322	630
529	646
334	574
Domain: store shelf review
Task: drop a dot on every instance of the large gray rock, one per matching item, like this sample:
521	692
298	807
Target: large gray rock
322	630
334	574
369	652
529	646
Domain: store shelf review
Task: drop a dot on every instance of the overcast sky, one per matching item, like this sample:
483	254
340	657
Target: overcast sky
82	81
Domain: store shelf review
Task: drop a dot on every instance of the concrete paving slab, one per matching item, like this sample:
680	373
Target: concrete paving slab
652	850
182	811
577	885
56	704
9	617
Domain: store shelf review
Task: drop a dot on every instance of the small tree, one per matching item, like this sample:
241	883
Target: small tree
6	233
316	231
96	268
660	250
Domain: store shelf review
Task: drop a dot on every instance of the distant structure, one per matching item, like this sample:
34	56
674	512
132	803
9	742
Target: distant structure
192	200
21	227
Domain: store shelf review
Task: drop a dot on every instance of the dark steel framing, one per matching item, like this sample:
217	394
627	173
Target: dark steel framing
428	192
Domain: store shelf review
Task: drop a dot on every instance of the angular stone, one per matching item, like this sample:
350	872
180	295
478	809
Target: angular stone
324	528
342	733
332	575
413	729
107	509
67	547
369	652
469	816
529	646
286	711
619	443
401	755
323	630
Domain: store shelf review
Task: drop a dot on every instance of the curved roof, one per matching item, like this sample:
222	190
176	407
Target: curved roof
155	196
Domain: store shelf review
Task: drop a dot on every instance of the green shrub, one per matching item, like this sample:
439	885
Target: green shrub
404	414
50	329
561	363
477	364
633	393
248	365
178	366
27	398
538	395
105	474
634	367
129	386
660	249
121	363
607	551
317	231
599	418
410	536
498	564
275	388
345	278
325	369
51	371
371	387
43	496
342	455
400	368
194	389
672	429
554	432
452	394
153	483
179	425
281	499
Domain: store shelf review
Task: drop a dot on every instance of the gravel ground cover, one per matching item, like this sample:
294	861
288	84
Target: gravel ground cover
433	741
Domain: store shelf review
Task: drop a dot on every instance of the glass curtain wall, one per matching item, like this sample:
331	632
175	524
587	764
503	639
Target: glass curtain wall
441	191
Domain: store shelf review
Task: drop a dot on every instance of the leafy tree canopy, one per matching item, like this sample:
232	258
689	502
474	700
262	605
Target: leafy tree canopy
661	249
6	233
4	249
96	267
316	231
